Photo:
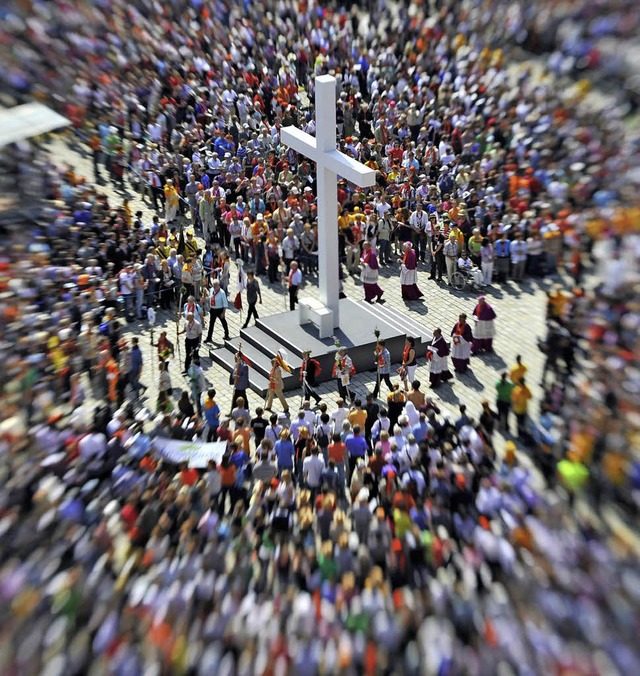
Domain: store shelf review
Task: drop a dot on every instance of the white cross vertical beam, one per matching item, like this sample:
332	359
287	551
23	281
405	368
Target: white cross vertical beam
331	163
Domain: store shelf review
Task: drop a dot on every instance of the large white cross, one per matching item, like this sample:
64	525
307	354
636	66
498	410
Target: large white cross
330	163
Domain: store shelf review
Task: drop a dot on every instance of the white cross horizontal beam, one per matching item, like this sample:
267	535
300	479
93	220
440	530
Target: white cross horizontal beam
337	162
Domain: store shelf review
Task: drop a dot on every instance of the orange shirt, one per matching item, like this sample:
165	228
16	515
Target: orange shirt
228	476
336	451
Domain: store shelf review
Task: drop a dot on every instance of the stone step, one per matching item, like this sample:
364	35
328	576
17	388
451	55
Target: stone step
225	357
256	336
402	322
261	360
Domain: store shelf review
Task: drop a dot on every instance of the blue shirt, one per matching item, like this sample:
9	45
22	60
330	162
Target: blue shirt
356	446
420	431
502	248
136	360
285	452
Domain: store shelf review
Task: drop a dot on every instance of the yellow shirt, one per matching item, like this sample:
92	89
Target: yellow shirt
520	398
358	417
517	373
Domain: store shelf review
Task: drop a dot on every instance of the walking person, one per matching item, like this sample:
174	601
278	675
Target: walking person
197	383
383	364
135	368
276	386
342	371
485	330
254	295
240	380
309	370
369	274
409	362
504	388
520	396
218	305
462	337
437	354
193	336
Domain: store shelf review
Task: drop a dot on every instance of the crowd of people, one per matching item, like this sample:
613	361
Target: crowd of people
373	537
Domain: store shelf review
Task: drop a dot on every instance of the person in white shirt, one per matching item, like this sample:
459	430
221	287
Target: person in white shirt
126	279
518	252
294	280
419	221
312	468
465	264
339	415
193	336
92	446
309	415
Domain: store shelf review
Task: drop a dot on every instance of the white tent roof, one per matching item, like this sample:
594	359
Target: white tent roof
27	121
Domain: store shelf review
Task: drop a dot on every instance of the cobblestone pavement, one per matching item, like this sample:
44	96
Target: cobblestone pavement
520	308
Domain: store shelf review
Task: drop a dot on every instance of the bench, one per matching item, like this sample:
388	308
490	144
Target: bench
312	310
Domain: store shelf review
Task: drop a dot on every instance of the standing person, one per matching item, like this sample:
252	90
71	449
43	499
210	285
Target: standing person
207	213
240	379
295	280
462	337
171	201
126	279
197	382
369	274
487	257
409	274
520	403
253	296
437	354
485	331
383	364
409	362
218	305
276	386
193	336
135	367
451	250
342	371
309	370
503	258
518	257
504	388
384	240
437	256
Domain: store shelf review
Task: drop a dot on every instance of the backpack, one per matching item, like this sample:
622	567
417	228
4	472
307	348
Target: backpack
322	437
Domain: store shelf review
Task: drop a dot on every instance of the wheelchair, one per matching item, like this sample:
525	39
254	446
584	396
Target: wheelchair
460	279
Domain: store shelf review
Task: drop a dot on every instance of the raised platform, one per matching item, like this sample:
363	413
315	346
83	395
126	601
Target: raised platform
358	321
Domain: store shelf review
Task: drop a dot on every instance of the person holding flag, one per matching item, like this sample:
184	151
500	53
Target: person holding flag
309	370
276	385
343	369
240	378
383	365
